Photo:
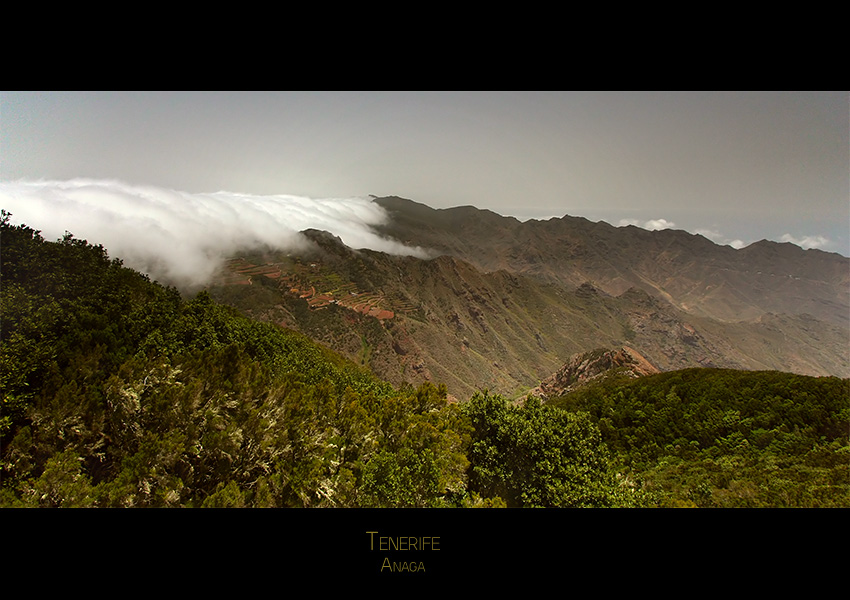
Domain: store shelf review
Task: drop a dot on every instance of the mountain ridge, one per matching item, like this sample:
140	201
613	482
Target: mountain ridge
507	327
689	270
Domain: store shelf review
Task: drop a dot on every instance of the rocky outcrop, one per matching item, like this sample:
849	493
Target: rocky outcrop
592	366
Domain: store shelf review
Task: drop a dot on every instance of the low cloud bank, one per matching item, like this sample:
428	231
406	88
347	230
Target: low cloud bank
651	225
182	238
807	241
659	224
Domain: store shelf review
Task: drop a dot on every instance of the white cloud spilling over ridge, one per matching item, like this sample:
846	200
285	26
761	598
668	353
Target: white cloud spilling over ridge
181	237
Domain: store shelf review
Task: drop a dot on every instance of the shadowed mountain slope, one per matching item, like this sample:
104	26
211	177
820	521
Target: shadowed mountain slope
689	271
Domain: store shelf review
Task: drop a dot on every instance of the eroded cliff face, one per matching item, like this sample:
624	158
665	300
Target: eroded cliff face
591	366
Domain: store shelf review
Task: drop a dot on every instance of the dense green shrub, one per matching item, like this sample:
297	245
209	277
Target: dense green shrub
718	437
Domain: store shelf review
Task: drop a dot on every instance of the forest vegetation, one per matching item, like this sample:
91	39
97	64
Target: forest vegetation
726	438
119	392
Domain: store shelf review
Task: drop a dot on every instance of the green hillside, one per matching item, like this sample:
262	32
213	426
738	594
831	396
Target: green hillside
119	392
726	438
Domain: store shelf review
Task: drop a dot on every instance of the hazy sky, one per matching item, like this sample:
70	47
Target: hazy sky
737	167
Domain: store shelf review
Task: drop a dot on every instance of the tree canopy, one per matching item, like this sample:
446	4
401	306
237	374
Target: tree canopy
119	392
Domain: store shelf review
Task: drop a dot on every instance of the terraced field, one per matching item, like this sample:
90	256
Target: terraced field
316	284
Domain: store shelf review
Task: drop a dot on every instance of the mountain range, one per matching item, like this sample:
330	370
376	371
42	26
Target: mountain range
502	304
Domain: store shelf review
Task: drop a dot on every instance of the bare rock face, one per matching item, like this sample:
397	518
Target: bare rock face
589	366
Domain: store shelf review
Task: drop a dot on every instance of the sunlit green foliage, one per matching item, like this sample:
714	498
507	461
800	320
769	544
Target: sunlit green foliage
715	437
539	456
119	393
420	457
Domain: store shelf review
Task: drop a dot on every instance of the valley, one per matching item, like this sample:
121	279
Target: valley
501	305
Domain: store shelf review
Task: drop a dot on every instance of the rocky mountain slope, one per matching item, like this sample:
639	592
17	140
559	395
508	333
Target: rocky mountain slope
501	305
689	271
594	366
